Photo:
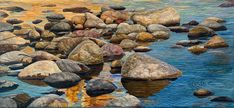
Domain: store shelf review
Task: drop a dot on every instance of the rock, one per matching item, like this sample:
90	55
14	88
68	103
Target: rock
112	52
7	85
125	28
78	19
99	42
28	50
7	48
228	3
128	44
68	44
76	10
191	23
161	35
34	35
41	45
42	55
50	100
3	14
187	43
213	25
144	67
6	27
87	52
216	19
112	16
49	5
216	42
222	99
145	37
88	33
67	65
7	103
166	16
157	27
200	32
22	31
117	38
37	21
14	21
177	46
10	38
47	35
142	49
93	21
39	70
124	101
4	69
117	7
116	64
202	93
15	57
96	87
22	100
55	17
62	80
197	49
179	29
13	9
61	27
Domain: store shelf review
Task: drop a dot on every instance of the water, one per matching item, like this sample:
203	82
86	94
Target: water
212	70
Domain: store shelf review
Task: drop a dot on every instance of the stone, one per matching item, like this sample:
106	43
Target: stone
187	43
166	16
125	28
161	35
93	21
15	57
50	100
61	27
7	85
76	10
179	29
202	93
97	87
34	35
39	70
197	49
128	44
22	100
87	52
216	42
228	3
68	44
200	32
7	103
112	16
117	7
78	19
14	21
124	101
28	50
67	65
213	25
3	14
144	67
10	38
191	23
47	35
41	45
55	17
8	47
112	51
6	27
13	9
62	80
216	19
116	64
4	69
222	99
157	27
42	55
37	21
142	49
99	42
145	37
88	33
177	46
117	38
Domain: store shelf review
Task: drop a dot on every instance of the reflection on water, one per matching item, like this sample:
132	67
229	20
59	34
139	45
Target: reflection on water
144	88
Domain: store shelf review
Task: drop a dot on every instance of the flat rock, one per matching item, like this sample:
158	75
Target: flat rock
6	27
67	65
7	85
124	101
7	103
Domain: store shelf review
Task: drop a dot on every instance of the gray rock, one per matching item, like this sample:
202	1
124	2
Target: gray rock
228	3
37	21
61	27
7	103
124	101
7	85
67	65
22	100
6	27
179	29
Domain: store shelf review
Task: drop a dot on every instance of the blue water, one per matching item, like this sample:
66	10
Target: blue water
212	70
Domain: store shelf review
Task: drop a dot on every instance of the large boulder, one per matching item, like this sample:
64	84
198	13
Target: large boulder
112	51
49	101
15	57
7	103
213	25
93	21
125	28
7	85
112	16
96	87
200	32
216	42
167	16
144	67
124	101
10	38
62	80
39	70
67	65
87	52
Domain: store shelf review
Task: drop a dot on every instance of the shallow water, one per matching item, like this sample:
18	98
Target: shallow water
212	70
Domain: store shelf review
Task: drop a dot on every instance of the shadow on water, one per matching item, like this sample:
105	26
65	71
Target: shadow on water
144	89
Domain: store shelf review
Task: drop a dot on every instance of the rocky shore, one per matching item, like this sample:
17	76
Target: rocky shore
66	51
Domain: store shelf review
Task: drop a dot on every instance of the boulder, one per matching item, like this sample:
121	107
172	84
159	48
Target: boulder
62	80
112	16
93	21
76	10
125	28
187	43
216	42
128	44
197	49
47	35
124	101
6	27
13	9
78	19
200	32
166	16
7	85
8	47
10	38
7	103
213	25
50	100
145	37
3	14
14	21
202	93
15	57
22	100
117	38
191	23
39	70
34	35
87	52
67	65
112	51
161	35
96	87
143	67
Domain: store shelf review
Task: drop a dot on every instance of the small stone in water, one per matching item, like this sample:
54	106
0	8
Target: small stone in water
222	99
202	93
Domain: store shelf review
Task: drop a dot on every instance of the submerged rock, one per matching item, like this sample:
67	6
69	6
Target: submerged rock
179	29
55	17
197	49
200	32
144	67
37	21
117	7
228	3
188	42
222	99
7	85
67	65
62	80
96	87
7	103
124	101
216	42
6	27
